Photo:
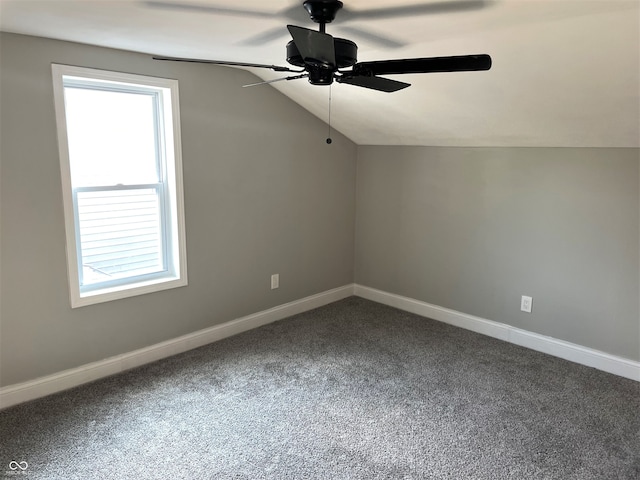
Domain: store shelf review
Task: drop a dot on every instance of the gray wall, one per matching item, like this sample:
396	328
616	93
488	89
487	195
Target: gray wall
473	229
470	229
261	196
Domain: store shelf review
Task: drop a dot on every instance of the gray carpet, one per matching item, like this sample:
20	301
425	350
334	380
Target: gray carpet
350	390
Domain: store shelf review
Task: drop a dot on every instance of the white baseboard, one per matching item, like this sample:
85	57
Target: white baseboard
40	387
569	351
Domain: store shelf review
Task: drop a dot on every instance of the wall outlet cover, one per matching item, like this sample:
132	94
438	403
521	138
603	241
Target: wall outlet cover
526	304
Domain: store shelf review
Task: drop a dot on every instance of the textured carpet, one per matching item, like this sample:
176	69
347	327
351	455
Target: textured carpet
350	390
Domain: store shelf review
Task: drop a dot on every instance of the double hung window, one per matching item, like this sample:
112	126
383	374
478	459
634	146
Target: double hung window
119	142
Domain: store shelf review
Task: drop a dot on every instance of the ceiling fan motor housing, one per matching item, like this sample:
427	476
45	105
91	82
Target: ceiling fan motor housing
322	11
346	53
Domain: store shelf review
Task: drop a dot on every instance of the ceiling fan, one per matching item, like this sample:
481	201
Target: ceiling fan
322	58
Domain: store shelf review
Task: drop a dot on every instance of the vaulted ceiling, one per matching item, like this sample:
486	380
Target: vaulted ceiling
565	72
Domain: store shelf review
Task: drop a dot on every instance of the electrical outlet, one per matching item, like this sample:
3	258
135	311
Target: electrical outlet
526	303
275	281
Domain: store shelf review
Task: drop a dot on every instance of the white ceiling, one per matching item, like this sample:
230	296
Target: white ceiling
565	72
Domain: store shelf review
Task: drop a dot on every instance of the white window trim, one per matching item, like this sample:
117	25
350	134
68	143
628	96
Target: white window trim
174	182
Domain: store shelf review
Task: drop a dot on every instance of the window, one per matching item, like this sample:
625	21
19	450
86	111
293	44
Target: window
120	158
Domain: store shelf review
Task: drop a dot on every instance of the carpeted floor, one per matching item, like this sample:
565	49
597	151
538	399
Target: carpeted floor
351	390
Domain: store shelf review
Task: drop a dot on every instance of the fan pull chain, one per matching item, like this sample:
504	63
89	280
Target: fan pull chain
329	137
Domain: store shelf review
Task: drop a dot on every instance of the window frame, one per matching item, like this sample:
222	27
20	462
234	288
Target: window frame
170	182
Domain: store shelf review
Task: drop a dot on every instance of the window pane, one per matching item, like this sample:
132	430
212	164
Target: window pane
120	234
111	137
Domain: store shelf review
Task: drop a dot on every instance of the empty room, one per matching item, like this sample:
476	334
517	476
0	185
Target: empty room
320	239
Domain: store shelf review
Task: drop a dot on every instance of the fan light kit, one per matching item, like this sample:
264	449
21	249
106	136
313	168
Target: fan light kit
322	58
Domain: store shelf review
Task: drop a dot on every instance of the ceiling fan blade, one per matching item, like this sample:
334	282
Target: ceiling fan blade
195	7
462	63
315	48
380	40
294	13
430	8
275	68
264	37
266	82
374	83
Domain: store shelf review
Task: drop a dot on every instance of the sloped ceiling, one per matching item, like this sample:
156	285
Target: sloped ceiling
565	72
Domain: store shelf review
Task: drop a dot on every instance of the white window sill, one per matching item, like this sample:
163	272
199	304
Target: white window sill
124	291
